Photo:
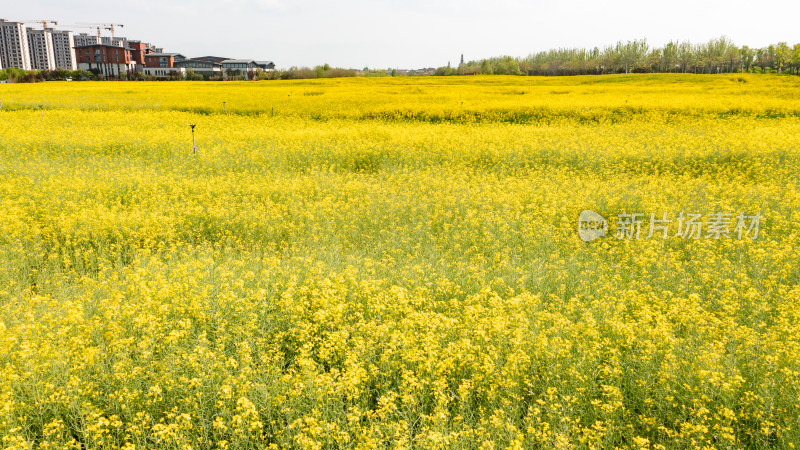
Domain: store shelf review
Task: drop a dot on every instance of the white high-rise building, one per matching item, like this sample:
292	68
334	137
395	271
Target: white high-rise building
64	49
40	44
14	50
115	41
83	39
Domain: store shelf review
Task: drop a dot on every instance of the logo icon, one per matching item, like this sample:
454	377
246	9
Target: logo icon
591	225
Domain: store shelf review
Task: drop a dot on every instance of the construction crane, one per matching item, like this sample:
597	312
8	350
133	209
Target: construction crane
110	27
87	26
43	22
100	26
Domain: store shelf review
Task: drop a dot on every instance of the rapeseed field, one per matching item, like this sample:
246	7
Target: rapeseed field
396	262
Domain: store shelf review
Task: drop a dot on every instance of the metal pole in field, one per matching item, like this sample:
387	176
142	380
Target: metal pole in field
194	144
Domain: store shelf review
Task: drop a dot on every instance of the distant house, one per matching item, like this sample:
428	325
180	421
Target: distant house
238	67
266	66
214	59
205	65
164	65
165	72
234	67
162	60
241	64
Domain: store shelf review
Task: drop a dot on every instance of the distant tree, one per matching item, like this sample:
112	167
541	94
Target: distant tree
470	68
506	65
669	57
783	56
654	61
302	73
796	58
717	56
610	60
765	58
746	58
687	57
732	57
632	54
191	75
486	67
336	72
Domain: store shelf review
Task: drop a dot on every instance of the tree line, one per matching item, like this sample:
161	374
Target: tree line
292	73
15	75
715	56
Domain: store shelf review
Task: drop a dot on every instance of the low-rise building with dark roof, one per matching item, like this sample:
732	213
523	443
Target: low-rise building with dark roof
206	65
162	60
266	66
238	67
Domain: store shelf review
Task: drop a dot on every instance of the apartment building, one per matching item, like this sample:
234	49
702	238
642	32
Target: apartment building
40	45
109	60
113	57
114	41
138	50
84	39
64	49
14	50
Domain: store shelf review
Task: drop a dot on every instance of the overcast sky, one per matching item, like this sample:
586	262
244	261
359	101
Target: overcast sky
414	33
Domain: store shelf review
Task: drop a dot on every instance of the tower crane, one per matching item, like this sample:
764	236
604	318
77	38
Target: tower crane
43	22
110	27
97	29
100	26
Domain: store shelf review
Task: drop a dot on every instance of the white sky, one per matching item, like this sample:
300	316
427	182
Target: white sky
415	33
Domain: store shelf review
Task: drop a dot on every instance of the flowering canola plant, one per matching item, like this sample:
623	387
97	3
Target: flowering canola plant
361	263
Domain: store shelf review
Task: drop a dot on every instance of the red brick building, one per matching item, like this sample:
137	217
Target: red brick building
109	60
162	60
138	50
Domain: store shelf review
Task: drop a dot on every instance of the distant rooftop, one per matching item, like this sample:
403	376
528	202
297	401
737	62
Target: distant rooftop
210	58
100	45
